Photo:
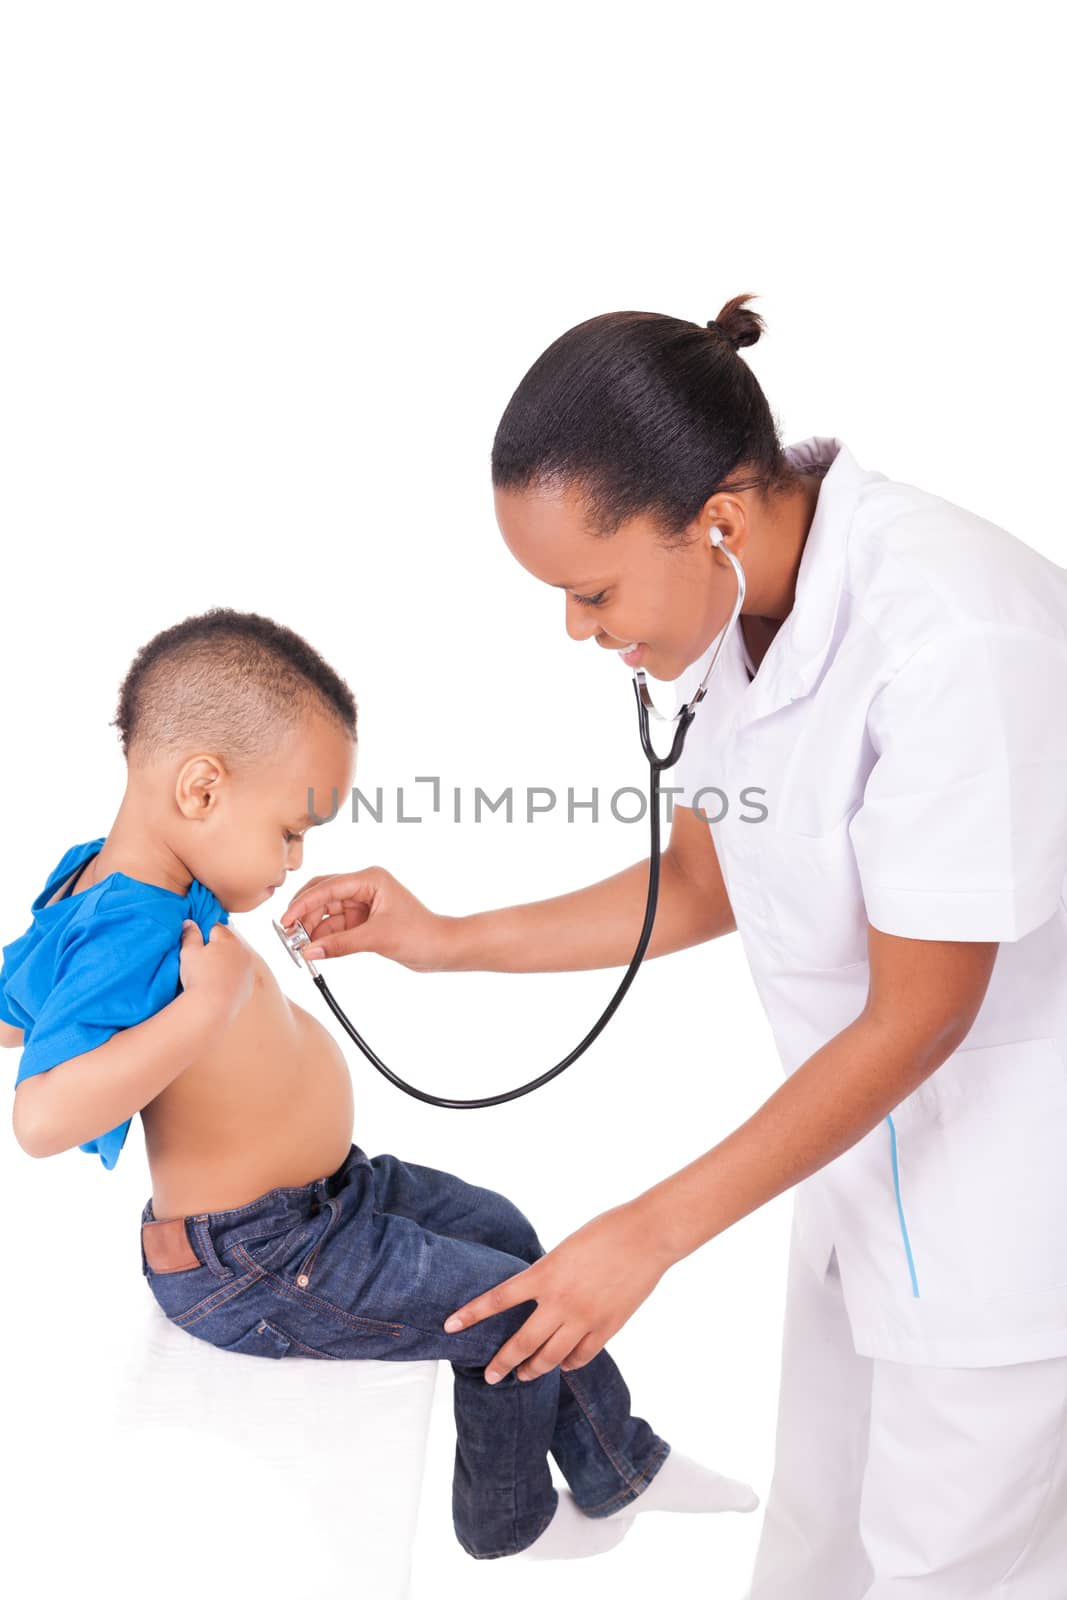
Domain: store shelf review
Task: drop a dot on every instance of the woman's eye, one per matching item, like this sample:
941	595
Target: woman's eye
591	599
292	838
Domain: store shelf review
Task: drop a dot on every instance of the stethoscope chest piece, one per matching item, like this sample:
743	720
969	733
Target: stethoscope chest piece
295	939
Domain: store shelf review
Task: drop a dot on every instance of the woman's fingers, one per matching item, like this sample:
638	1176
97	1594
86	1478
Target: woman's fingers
540	1326
512	1292
552	1353
583	1352
370	910
539	1329
292	911
588	1286
331	893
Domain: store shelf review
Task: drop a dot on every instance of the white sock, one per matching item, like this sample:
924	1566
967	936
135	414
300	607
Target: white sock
682	1484
571	1535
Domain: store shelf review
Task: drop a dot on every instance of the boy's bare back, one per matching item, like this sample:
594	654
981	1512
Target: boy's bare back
267	1106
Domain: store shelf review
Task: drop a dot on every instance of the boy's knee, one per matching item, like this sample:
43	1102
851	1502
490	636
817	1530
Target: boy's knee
520	1235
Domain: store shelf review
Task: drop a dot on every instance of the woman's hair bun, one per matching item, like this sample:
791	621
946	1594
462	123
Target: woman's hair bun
737	324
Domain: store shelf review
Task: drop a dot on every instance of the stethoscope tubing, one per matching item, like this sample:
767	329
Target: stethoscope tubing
657	765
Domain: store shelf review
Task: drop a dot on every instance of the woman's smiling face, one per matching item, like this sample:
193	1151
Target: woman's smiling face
632	589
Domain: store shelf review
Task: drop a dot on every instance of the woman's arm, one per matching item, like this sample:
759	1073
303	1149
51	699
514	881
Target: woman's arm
922	998
599	926
594	927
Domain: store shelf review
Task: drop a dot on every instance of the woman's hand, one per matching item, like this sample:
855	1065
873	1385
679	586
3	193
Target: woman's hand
586	1289
370	910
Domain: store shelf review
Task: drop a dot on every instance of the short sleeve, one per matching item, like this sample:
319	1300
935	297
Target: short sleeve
10	956
962	831
5	1010
115	968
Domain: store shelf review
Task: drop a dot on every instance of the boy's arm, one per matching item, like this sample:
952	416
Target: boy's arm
10	1038
79	1099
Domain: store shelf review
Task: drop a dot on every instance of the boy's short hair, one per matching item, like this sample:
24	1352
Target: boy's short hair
230	681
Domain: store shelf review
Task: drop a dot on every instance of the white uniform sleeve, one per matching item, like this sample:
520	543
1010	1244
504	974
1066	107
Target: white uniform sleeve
962	833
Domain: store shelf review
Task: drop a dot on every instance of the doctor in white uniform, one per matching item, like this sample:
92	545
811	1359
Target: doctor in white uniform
874	795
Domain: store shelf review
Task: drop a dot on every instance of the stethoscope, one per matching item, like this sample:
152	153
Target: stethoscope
297	938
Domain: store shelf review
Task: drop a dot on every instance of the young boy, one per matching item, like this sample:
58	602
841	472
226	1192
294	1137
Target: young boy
268	1231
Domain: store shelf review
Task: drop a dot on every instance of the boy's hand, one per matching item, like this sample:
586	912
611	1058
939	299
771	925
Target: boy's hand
221	971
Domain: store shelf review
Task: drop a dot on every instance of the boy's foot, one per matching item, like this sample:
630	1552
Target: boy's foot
571	1534
682	1484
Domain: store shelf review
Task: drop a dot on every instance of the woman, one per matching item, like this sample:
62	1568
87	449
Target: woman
873	797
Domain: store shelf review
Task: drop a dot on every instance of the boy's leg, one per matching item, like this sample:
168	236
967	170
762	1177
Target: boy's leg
606	1454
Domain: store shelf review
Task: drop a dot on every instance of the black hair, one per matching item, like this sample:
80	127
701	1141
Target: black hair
233	681
646	415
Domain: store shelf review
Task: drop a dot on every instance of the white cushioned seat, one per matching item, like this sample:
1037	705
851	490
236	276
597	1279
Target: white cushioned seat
268	1476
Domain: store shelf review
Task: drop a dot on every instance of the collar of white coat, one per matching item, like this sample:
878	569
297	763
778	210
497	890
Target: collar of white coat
798	650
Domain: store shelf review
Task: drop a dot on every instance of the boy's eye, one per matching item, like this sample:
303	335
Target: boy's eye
290	838
591	599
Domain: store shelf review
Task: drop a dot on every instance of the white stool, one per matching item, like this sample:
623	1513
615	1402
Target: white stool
269	1477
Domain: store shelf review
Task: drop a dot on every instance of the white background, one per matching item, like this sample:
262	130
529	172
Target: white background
271	274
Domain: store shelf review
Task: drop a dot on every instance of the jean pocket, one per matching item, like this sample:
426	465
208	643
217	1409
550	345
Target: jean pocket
264	1339
268	1339
292	1253
272	1251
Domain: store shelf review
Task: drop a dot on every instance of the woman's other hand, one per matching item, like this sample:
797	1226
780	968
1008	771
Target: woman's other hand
351	911
586	1289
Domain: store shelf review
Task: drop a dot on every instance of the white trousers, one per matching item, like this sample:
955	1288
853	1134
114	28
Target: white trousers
894	1481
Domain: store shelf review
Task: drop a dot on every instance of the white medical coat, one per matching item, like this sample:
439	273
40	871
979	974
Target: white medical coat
906	733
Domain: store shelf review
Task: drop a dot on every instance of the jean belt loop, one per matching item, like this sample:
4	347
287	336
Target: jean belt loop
205	1246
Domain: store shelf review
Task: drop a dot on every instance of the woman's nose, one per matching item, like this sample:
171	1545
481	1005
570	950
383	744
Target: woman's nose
580	624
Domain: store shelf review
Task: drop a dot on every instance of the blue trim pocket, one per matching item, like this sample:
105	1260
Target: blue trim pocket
900	1207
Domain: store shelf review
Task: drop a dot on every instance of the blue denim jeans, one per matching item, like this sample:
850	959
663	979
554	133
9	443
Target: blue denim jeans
368	1262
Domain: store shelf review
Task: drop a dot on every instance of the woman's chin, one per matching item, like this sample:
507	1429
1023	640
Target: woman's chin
657	664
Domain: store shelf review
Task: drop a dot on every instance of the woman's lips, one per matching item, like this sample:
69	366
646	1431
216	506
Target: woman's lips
630	653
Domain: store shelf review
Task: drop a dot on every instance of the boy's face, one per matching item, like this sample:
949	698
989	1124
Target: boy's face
252	833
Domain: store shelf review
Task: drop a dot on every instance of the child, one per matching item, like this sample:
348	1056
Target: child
268	1231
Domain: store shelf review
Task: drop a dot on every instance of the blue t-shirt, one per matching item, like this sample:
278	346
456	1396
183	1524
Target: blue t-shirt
93	963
